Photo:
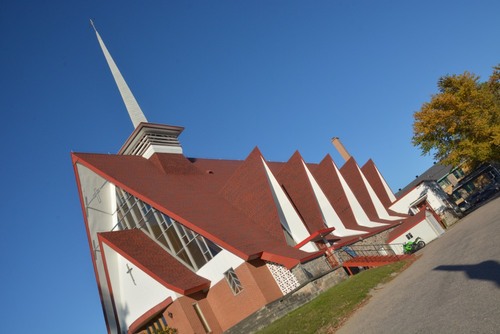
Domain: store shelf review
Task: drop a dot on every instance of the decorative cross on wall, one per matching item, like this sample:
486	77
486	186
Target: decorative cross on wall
97	194
96	248
129	271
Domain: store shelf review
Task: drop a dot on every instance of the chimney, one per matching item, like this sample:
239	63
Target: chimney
340	148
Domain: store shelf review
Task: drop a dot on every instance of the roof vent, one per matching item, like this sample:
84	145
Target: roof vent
149	138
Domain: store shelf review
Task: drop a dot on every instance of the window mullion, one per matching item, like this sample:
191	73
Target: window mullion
179	228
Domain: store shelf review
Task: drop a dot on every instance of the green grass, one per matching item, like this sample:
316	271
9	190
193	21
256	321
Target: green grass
327	311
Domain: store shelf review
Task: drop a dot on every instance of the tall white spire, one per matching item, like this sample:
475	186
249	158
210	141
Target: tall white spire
134	111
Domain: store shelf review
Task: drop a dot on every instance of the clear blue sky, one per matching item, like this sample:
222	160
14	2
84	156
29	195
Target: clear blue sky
280	75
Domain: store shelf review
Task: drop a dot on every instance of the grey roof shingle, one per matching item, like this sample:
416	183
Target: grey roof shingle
434	173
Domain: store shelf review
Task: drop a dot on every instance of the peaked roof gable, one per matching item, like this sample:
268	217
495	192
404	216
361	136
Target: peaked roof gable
249	190
373	176
330	183
295	182
176	196
193	201
351	174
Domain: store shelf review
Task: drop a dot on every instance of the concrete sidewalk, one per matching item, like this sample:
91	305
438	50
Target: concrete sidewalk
454	286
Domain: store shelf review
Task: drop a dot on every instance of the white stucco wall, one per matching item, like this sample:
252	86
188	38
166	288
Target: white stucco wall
152	149
434	224
135	292
100	203
330	217
214	270
424	230
388	189
423	189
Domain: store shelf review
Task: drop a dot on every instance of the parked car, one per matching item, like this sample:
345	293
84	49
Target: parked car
480	196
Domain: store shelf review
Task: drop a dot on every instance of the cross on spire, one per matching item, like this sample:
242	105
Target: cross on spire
134	111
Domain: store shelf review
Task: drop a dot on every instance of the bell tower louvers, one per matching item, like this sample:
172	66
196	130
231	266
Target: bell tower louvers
147	138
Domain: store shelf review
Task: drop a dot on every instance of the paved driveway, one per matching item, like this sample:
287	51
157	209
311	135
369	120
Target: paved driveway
454	287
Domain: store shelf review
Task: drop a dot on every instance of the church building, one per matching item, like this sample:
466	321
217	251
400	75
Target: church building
200	244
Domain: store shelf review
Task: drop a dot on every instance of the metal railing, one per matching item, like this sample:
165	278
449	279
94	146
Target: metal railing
347	253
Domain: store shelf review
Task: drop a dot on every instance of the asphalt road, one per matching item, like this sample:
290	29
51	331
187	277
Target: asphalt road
453	287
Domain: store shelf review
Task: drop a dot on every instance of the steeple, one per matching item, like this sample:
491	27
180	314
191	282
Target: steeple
134	111
147	138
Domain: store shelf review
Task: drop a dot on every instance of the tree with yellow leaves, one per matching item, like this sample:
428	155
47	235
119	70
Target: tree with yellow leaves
461	124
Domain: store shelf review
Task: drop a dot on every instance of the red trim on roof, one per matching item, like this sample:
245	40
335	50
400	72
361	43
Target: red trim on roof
74	159
316	235
406	225
285	261
148	315
242	218
248	189
146	254
110	287
352	175
295	182
372	175
159	206
329	181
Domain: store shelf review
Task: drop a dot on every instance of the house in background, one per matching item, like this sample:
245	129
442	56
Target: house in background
432	190
445	194
446	176
455	174
425	197
201	244
430	204
462	189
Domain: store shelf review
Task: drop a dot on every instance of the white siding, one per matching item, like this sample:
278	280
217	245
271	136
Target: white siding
388	190
214	270
379	207
134	293
424	230
403	204
100	204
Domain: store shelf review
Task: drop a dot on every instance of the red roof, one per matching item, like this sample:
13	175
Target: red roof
150	257
248	189
406	225
231	202
353	177
240	215
318	235
293	178
148	315
371	173
329	181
